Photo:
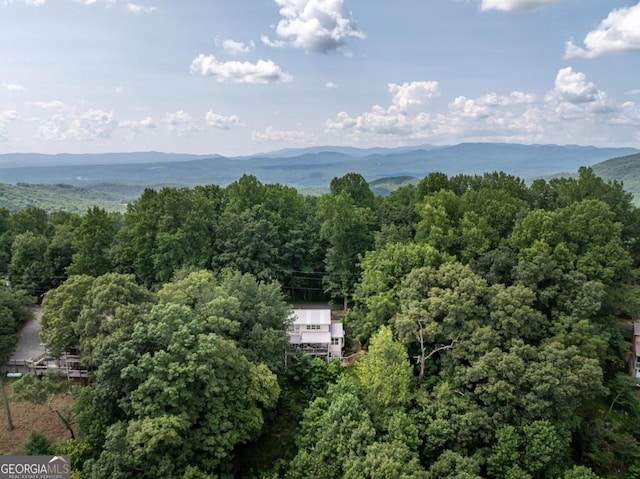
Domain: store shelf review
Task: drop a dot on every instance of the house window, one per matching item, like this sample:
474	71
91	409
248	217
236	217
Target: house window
335	341
295	328
313	327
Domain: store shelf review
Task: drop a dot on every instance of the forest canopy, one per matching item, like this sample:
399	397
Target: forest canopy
491	314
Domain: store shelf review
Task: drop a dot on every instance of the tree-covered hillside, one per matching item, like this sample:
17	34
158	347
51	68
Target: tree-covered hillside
74	199
625	169
491	314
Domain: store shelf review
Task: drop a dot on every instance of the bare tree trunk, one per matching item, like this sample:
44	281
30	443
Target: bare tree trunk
62	418
6	406
66	424
421	358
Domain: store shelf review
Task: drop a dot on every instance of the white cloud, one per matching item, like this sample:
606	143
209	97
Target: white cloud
12	86
573	87
48	105
135	127
119	89
239	72
9	115
412	94
222	122
233	47
629	114
331	85
94	2
576	103
180	123
573	108
635	91
271	134
316	25
33	3
146	122
486	106
381	122
130	7
138	9
272	43
516	5
403	117
5	118
619	32
85	126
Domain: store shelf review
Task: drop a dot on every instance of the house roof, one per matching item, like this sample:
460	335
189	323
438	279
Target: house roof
311	316
337	331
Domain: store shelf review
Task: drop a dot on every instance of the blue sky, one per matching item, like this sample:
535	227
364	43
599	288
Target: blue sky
242	76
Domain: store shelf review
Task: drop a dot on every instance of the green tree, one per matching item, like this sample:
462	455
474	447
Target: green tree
432	183
582	236
385	372
14	312
525	383
441	309
35	220
136	241
37	445
383	272
449	420
579	472
454	465
185	226
534	450
439	216
28	269
59	253
312	375
93	242
383	460
333	430
347	229
60	312
245	193
190	397
84	310
356	187
79	452
236	306
250	242
397	217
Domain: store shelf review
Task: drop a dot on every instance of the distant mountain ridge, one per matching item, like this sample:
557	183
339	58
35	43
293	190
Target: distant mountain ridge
302	168
16	160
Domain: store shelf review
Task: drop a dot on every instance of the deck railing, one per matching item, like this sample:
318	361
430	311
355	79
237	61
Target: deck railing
42	365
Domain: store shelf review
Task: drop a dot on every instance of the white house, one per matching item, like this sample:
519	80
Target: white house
313	331
635	351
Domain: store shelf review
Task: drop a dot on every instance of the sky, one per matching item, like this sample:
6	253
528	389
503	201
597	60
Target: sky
237	77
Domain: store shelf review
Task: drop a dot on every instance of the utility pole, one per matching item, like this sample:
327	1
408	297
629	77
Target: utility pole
6	406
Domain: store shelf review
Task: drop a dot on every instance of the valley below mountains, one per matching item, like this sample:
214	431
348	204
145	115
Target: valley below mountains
114	179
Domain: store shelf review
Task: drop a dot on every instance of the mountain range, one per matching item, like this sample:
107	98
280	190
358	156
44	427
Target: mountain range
112	180
306	168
